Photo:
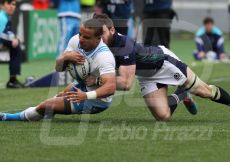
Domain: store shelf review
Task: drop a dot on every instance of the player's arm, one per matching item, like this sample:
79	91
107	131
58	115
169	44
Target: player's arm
108	85
69	55
107	89
108	81
125	77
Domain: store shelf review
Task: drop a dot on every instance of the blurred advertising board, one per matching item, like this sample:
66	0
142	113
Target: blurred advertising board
42	33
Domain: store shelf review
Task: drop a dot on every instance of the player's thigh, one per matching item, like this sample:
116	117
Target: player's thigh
89	107
196	86
53	105
158	104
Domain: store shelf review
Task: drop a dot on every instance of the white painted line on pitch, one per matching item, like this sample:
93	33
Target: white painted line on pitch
220	79
7	111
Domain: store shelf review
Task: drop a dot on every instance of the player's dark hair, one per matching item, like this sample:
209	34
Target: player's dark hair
95	25
208	20
8	1
104	19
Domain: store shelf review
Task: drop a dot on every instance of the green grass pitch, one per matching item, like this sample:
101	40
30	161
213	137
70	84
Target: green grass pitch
125	132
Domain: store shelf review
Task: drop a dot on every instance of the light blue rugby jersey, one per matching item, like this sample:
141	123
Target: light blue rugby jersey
215	30
101	60
101	48
3	21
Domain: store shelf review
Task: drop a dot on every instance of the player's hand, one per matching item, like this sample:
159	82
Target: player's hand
91	80
223	57
77	96
201	55
75	57
15	43
60	94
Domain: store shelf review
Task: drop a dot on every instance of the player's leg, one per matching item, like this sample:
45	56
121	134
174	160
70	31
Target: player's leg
155	95
174	72
56	105
49	107
200	88
158	104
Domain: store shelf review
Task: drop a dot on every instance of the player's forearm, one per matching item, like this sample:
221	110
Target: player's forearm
60	63
106	90
124	84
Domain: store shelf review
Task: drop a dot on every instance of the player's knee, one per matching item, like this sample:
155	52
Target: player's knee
42	107
166	116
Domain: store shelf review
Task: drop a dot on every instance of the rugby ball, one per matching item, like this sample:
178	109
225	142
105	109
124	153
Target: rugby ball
78	71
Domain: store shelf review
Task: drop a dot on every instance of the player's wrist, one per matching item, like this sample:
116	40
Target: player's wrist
98	81
91	95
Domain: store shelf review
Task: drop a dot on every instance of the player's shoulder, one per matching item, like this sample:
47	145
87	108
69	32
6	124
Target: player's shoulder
3	20
217	31
102	49
3	17
200	31
74	41
124	41
103	53
75	38
122	45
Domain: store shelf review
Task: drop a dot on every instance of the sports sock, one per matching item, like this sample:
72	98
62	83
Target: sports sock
176	98
31	114
14	117
220	95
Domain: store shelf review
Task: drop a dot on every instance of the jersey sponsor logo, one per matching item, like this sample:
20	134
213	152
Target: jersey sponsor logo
126	57
177	76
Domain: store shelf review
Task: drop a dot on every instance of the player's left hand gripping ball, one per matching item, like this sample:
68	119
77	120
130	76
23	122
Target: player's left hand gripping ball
77	96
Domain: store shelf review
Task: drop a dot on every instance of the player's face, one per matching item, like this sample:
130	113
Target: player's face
209	27
9	8
88	40
108	35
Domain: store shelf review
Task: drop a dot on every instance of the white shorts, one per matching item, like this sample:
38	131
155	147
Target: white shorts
173	72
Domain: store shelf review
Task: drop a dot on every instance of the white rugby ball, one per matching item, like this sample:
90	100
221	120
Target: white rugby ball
78	71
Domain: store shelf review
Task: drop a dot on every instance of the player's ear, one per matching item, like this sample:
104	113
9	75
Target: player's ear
112	30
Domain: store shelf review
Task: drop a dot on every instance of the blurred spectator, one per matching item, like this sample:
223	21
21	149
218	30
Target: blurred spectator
118	11
158	15
69	14
87	7
9	40
210	42
40	4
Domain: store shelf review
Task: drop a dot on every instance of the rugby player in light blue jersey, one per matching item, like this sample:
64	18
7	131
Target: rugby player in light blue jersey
79	98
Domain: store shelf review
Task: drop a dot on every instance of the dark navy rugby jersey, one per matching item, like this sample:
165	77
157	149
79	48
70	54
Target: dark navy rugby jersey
128	52
123	50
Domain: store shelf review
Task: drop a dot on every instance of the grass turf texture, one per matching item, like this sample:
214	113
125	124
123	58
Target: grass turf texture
204	137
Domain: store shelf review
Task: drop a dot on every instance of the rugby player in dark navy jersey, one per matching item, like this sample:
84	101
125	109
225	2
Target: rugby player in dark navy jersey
156	68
